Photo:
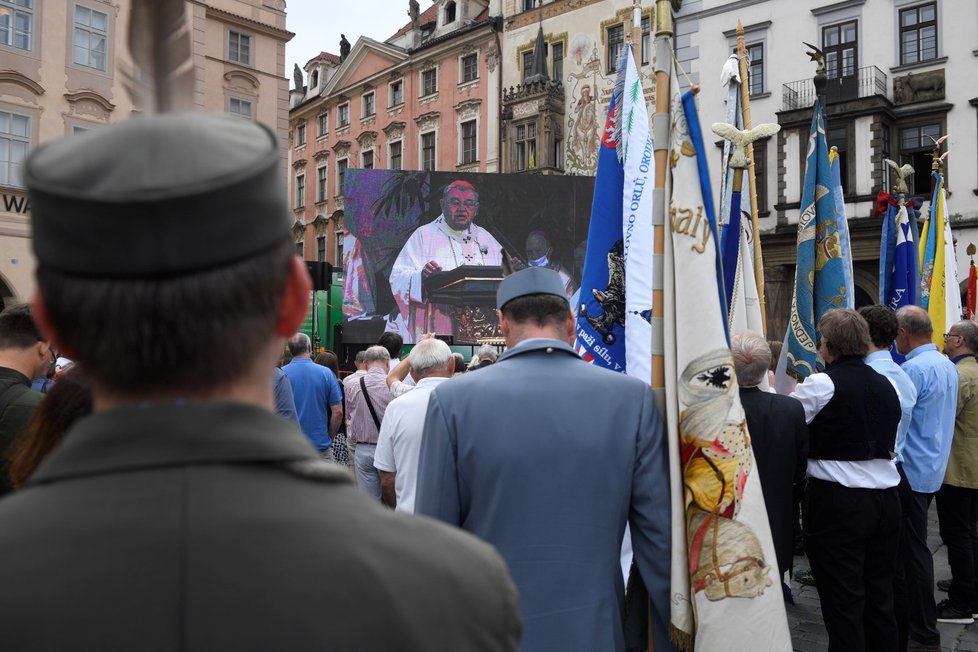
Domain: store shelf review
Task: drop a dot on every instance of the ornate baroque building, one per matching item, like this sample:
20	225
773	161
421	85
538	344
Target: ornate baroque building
553	113
427	98
62	66
900	72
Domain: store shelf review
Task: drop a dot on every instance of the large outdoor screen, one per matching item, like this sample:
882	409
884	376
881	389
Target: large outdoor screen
424	248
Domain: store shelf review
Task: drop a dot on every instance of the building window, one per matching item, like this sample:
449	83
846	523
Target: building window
527	63
470	140
338	236
557	57
526	147
300	249
15	141
322	125
17	23
367	160
369	107
470	67
530	4
314	79
616	41
428	151
429	82
239	48
300	190
558	157
449	13
239	107
755	70
89	37
840	44
300	134
916	147
394	156
396	93
760	172
918	33
321	248
341	166
838	137
646	39
343	115
321	183
76	129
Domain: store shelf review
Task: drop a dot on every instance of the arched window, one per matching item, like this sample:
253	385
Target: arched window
449	12
314	79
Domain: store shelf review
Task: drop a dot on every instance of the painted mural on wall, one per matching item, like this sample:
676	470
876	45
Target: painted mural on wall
588	90
585	84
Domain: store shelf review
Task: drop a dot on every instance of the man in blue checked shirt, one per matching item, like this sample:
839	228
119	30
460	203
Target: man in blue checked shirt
924	456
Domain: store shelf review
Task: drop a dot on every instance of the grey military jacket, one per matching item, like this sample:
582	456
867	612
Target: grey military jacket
214	526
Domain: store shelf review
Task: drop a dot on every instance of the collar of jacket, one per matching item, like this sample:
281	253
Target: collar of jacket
545	345
173	434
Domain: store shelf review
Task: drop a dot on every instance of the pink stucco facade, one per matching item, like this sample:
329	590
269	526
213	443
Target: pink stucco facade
391	107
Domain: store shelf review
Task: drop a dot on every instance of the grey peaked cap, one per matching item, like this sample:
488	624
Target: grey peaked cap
159	195
532	280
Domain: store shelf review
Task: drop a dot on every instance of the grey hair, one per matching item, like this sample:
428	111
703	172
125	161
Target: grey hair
361	358
487	352
752	357
430	355
299	344
916	320
968	330
376	353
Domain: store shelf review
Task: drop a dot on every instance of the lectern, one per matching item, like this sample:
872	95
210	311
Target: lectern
468	294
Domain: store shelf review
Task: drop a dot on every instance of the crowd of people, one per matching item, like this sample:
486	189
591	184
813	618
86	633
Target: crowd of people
168	492
871	443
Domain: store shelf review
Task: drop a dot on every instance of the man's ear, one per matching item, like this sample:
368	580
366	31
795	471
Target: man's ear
43	321
571	328
504	325
295	300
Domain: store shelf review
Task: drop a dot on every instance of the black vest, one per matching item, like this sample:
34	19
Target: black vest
860	420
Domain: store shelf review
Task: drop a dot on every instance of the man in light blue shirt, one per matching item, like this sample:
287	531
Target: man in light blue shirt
318	399
924	456
883	330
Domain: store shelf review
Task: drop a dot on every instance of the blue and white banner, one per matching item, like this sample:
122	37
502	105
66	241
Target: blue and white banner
615	309
820	283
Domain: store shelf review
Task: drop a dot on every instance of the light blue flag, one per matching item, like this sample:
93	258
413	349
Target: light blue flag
820	283
840	214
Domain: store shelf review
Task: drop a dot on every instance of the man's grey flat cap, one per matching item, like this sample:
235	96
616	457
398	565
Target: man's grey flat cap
532	280
158	196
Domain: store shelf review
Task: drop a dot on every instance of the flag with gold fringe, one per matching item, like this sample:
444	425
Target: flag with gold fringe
725	591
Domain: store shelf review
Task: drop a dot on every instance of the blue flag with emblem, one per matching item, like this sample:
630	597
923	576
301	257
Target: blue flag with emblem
820	283
615	306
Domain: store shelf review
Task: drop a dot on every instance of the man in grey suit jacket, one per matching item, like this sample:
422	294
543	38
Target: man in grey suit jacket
547	458
183	514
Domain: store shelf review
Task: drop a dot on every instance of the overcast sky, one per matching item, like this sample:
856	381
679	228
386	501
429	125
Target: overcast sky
317	25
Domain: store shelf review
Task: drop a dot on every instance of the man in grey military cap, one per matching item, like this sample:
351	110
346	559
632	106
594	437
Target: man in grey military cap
183	514
547	458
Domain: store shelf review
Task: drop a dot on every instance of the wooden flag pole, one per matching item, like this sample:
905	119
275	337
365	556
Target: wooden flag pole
751	176
660	139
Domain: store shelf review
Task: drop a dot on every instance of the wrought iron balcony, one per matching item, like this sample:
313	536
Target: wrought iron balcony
867	82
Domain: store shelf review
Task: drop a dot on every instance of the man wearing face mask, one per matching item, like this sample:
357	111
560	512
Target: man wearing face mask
539	253
449	241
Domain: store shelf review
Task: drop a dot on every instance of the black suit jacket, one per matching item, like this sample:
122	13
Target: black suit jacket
779	438
214	526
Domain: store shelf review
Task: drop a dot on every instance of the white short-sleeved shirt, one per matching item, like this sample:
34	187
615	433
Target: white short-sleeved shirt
399	443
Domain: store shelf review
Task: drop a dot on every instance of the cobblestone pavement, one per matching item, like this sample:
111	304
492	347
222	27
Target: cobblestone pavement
805	616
